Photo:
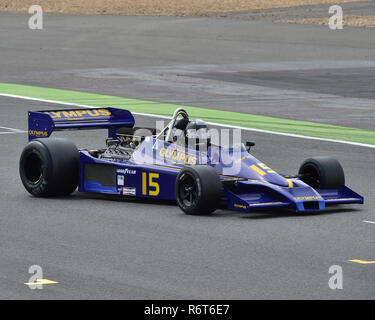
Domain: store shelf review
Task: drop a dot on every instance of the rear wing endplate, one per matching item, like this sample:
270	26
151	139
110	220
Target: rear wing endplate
43	123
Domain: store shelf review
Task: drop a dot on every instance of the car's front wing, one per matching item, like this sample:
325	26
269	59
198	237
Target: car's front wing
251	195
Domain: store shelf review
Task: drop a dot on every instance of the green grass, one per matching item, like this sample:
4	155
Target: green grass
305	128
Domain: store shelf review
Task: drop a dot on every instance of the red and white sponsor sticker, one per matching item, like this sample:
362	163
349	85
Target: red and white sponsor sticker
128	191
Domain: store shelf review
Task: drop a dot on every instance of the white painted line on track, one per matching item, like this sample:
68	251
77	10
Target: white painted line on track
211	123
367	221
12	130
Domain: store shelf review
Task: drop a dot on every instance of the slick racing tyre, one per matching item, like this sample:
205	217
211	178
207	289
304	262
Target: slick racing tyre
198	190
322	173
49	167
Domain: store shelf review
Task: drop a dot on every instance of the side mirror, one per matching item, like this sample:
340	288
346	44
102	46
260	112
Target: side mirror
249	144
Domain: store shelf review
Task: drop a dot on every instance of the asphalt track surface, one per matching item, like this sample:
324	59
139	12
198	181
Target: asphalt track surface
105	249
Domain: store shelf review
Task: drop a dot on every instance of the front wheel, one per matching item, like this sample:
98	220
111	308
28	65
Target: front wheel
49	167
322	173
198	190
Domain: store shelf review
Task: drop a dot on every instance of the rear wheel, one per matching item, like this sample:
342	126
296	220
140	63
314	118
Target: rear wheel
322	173
198	190
49	167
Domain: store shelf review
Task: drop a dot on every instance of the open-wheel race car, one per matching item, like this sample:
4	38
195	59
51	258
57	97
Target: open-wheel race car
180	163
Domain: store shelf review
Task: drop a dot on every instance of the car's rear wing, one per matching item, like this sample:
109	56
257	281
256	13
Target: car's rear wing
43	123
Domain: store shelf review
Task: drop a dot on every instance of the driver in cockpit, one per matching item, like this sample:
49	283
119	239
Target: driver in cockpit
195	132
